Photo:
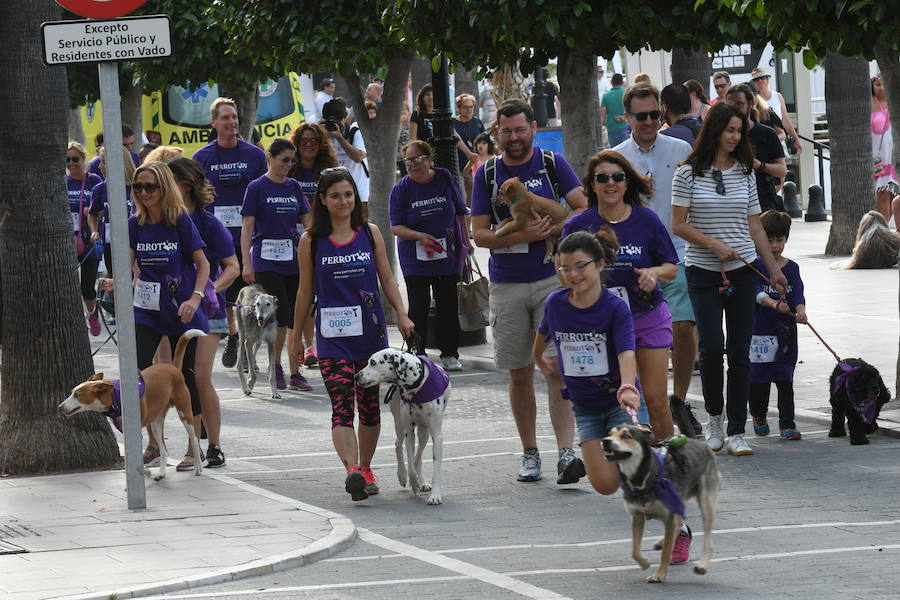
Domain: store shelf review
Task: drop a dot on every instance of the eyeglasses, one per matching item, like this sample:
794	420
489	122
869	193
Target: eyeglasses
74	159
309	141
643	116
333	170
721	86
578	268
618	177
288	159
145	187
416	160
720	186
519	131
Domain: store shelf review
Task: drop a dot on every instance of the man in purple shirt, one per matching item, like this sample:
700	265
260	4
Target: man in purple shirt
675	100
521	280
230	164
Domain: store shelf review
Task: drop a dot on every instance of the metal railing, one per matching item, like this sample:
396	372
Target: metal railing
820	150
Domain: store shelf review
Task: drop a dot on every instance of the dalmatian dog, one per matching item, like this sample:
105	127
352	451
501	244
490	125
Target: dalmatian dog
418	397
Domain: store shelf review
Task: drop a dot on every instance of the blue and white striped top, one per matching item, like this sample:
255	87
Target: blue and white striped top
720	216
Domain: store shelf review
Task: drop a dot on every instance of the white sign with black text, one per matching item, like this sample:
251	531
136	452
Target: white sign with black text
129	38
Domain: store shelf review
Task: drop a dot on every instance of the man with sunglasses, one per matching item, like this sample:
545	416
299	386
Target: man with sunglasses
521	279
721	81
230	164
658	156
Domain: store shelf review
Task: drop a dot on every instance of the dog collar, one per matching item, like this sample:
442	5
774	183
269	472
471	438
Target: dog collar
517	198
115	411
663	487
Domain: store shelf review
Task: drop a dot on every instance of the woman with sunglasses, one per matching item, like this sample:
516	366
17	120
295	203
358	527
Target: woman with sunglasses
342	261
314	154
646	259
79	186
273	206
715	208
428	216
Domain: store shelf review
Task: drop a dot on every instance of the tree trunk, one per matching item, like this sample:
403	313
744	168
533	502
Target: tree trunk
690	66
582	132
852	186
247	104
464	83
45	346
132	107
508	83
76	127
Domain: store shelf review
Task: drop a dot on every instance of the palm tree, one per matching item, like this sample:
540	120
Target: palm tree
45	347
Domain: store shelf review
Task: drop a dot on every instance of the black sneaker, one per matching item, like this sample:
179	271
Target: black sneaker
698	428
570	468
229	357
355	485
214	457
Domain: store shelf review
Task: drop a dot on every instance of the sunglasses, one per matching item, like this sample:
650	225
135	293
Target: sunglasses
618	177
720	186
74	159
721	86
288	159
643	116
309	141
333	170
416	160
145	187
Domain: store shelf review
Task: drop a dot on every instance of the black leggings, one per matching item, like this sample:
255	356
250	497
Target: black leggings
147	340
418	292
284	288
89	276
759	402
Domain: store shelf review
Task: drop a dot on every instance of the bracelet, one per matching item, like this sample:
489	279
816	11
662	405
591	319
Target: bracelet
762	167
625	387
200	293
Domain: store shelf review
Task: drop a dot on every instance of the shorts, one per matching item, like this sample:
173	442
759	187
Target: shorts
516	312
676	294
284	288
654	329
594	423
218	326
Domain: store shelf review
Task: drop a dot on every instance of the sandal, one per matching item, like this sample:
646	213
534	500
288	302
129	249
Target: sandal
790	434
151	456
187	464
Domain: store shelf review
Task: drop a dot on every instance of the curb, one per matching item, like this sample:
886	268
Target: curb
343	534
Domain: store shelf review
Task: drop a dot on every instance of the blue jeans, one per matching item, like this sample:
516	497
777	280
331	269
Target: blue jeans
739	308
617	136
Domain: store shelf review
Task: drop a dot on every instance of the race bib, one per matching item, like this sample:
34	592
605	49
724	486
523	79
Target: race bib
584	359
340	321
279	250
229	216
620	292
146	294
763	348
76	222
514	249
423	253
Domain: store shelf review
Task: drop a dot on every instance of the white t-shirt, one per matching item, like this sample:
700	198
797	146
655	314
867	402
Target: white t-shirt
720	216
318	103
357	169
603	86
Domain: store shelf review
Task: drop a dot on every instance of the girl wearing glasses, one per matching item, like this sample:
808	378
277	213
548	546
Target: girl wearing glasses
273	206
80	185
428	216
593	332
715	208
646	258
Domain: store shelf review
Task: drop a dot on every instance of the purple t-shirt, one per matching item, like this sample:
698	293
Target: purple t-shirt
588	342
73	188
432	208
773	347
308	180
277	208
231	170
521	263
643	242
99	200
681	132
167	276
218	247
349	318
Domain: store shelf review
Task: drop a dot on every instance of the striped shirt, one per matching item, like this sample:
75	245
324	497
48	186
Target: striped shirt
723	217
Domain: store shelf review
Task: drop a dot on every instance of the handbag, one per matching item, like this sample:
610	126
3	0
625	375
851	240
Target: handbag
79	241
473	297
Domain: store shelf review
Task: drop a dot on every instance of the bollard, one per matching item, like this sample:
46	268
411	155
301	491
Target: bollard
815	211
791	206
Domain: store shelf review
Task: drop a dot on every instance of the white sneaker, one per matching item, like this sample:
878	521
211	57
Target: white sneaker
715	437
737	446
451	363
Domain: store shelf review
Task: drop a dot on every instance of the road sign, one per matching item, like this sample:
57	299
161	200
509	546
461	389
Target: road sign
129	38
101	9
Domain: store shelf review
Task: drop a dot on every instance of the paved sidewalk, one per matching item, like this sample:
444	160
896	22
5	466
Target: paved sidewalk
83	542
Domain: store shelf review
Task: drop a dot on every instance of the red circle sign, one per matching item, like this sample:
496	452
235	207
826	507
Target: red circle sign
101	9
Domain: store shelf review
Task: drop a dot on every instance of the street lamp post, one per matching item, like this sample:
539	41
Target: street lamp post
539	97
443	140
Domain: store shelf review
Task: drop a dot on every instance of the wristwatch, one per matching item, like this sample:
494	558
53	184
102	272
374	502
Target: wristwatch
200	293
762	167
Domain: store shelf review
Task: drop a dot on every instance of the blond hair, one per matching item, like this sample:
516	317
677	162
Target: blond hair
73	145
170	201
641	78
214	107
164	154
128	162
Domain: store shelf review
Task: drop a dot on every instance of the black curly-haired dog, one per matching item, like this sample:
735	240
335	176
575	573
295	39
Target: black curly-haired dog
857	395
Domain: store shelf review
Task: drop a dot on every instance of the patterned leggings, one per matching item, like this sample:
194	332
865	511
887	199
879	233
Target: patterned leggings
337	373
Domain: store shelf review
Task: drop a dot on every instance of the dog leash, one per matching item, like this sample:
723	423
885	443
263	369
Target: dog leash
413	340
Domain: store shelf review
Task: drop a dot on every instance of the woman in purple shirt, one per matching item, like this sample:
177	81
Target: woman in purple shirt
273	205
79	186
342	260
428	216
646	259
100	229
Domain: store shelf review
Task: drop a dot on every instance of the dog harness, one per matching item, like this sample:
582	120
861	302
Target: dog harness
867	414
663	487
115	411
434	386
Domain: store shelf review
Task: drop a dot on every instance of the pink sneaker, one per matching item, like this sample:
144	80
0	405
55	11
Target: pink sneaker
681	552
355	484
94	324
371	480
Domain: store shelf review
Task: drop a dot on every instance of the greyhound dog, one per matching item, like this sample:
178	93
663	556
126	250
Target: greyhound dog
256	324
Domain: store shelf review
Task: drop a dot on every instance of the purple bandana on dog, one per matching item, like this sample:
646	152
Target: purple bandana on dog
867	414
115	411
434	386
663	487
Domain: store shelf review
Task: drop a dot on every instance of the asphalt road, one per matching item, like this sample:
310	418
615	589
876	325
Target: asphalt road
809	519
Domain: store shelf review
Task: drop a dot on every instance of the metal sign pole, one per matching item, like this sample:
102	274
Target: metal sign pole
121	267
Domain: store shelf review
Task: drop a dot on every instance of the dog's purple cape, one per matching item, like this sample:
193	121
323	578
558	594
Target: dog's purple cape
663	487
434	386
115	411
867	415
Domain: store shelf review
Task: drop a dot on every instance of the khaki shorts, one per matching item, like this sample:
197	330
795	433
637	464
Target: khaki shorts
516	313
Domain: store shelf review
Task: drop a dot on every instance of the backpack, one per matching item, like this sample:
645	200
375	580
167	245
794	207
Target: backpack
351	133
490	177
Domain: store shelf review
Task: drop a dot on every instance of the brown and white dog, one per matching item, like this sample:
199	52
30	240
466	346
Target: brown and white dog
524	206
163	386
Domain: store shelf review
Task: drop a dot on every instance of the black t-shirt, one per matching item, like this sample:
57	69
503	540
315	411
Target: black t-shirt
468	131
551	92
425	123
766	148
